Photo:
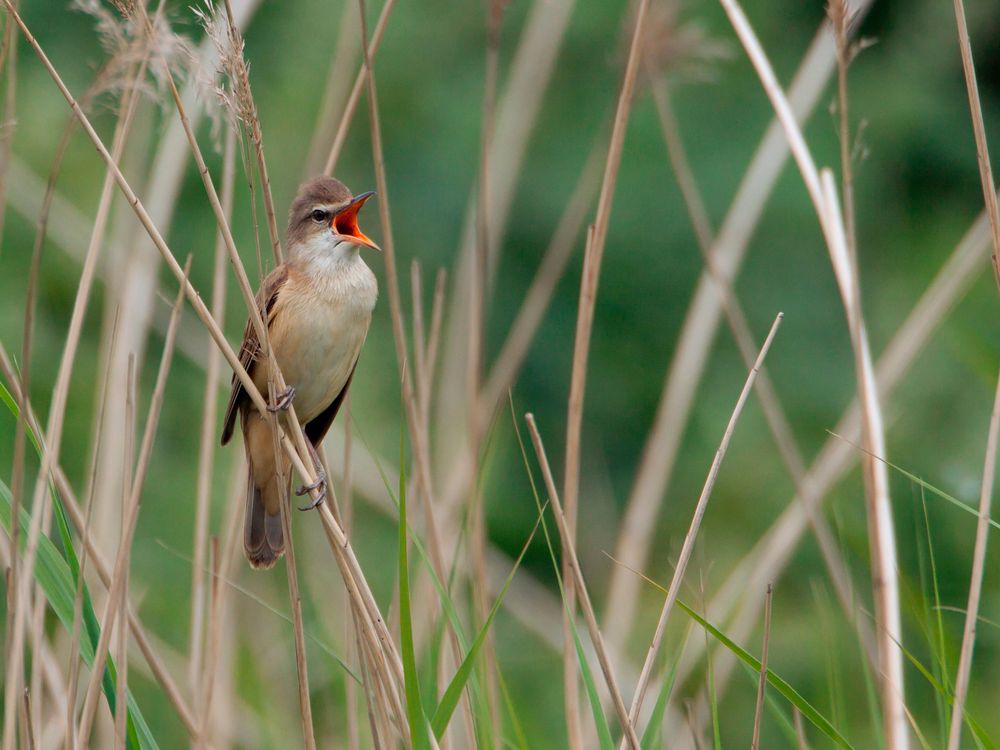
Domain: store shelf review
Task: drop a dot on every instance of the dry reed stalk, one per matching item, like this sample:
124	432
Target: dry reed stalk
689	540
881	534
888	627
17	471
8	63
25	378
123	557
131	96
528	77
434	337
569	553
121	657
762	681
350	632
134	287
536	300
74	649
342	62
207	444
982	528
24	711
250	119
800	730
772	552
698	334
291	569
774	413
474	360
54	428
420	448
376	633
507	364
206	683
246	109
581	348
219	649
423	386
979	130
114	603
976	579
841	21
73	510
359	83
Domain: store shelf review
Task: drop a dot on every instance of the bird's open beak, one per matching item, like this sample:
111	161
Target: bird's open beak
345	223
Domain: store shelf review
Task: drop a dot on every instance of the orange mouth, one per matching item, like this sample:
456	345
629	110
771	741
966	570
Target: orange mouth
345	223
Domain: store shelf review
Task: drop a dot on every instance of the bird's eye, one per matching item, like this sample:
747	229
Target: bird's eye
320	216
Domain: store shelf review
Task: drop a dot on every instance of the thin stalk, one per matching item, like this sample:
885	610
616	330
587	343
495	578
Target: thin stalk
773	551
9	61
206	448
118	577
76	516
581	348
359	83
881	533
256	135
474	362
55	425
688	547
774	413
697	336
350	631
979	130
121	683
74	649
762	681
976	580
420	449
982	529
569	553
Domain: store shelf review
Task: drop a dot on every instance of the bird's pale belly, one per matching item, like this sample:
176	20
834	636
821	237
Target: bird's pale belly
317	356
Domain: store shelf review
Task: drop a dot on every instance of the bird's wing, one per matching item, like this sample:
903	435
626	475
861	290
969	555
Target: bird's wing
267	299
317	427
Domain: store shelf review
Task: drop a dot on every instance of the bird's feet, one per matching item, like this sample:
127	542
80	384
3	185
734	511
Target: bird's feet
284	400
319	484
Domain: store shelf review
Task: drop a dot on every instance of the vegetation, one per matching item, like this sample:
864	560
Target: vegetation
565	509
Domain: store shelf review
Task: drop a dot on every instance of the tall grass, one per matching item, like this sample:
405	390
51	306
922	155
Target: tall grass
440	660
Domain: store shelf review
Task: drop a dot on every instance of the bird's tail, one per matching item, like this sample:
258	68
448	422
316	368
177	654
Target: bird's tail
263	538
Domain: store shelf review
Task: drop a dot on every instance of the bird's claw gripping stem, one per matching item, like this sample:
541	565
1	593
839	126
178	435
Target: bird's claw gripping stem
284	400
319	484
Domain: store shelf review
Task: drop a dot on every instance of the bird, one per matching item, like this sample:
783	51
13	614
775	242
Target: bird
317	306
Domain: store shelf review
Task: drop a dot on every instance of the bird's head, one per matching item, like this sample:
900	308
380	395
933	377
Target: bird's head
324	217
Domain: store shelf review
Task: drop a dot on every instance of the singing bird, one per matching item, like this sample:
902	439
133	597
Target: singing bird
317	306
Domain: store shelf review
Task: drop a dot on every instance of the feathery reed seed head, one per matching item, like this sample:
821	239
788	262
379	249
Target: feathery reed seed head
672	46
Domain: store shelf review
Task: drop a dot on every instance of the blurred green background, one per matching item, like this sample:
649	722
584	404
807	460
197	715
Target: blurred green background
918	191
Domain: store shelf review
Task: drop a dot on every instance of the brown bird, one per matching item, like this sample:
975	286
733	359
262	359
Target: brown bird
317	306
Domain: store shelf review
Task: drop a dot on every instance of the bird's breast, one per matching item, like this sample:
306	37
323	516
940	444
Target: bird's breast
323	324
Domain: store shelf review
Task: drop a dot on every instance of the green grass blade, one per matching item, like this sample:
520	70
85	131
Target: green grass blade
925	485
57	580
515	721
651	735
411	678
138	733
977	729
791	694
600	721
454	691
